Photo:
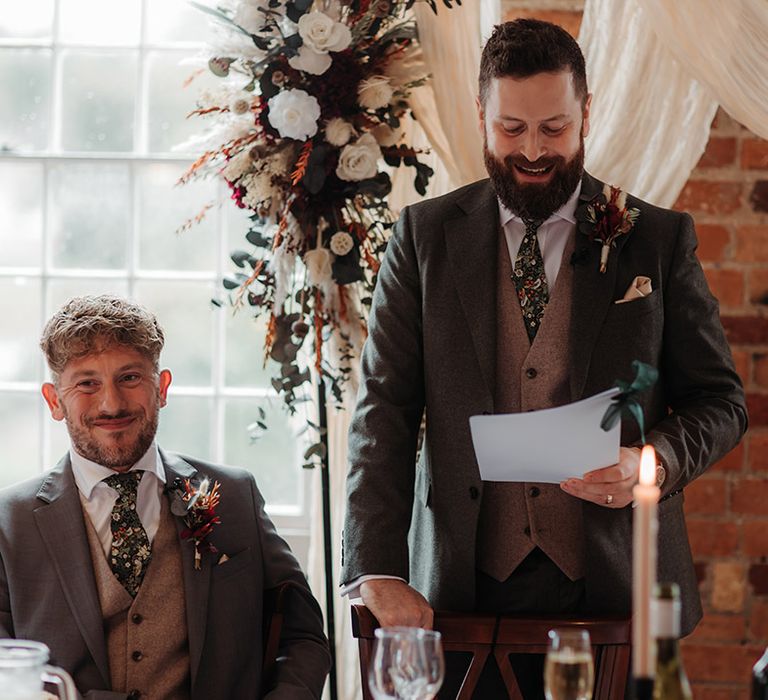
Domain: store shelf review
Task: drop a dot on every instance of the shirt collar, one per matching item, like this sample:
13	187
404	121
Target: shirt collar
88	474
567	212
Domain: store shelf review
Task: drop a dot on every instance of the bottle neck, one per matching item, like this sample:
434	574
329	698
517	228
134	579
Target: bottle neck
667	649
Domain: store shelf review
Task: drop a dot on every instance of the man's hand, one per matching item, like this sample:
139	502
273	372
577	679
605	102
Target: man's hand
395	603
611	486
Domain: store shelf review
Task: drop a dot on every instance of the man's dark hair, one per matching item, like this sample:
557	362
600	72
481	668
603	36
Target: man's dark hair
526	47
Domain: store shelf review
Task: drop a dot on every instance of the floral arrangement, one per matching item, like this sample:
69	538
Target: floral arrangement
312	98
197	505
605	218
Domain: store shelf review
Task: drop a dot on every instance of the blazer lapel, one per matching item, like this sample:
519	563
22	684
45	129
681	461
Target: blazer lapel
196	581
471	241
62	529
593	293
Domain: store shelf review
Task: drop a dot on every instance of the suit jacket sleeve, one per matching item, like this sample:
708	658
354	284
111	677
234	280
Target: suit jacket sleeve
708	414
384	429
303	659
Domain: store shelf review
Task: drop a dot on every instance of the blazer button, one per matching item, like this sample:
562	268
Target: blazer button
134	695
474	493
136	619
534	491
527	531
531	373
137	656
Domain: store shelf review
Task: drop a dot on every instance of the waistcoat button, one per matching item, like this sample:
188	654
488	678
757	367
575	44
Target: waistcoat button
534	491
527	530
531	373
137	656
474	494
134	695
136	619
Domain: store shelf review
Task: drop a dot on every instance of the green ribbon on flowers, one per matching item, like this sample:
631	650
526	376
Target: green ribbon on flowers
626	402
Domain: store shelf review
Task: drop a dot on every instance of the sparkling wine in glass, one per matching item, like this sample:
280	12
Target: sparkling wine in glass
569	670
407	664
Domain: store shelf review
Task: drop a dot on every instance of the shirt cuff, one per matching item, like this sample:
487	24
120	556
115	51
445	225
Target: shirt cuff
352	589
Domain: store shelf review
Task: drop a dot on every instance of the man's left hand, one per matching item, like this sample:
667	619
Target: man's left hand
610	487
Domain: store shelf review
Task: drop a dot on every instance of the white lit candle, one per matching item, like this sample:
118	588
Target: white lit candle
645	532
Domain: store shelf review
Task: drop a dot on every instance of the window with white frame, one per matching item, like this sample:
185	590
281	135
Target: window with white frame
93	107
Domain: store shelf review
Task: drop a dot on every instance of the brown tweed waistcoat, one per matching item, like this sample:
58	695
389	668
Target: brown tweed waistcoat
146	636
516	517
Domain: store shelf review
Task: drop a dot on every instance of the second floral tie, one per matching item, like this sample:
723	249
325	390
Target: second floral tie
131	552
530	279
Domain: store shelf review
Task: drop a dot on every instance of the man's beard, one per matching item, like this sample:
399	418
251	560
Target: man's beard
533	200
113	456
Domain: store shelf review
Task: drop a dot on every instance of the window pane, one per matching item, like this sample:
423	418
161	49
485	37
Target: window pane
20	442
184	312
25	75
31	19
185	426
163	209
170	102
244	365
62	290
100	22
90	212
97	102
175	20
275	458
21	223
20	329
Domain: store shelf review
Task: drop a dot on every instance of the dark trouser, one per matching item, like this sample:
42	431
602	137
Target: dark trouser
536	587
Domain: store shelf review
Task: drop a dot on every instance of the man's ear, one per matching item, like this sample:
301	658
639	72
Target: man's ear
585	116
51	397
480	114
165	382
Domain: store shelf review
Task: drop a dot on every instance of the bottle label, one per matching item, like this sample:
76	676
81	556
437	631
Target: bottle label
665	618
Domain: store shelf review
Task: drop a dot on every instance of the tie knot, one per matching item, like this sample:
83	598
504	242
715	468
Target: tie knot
532	225
126	483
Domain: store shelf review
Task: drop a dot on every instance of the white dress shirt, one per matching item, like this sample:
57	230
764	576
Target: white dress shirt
98	499
553	236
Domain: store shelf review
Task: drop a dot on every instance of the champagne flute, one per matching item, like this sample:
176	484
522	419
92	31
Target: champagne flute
569	670
407	664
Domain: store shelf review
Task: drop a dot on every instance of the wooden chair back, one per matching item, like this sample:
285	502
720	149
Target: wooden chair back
500	636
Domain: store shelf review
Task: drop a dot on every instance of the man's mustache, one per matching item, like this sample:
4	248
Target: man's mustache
521	161
110	416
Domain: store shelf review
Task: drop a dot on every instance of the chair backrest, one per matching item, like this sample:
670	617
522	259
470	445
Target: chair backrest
273	616
483	635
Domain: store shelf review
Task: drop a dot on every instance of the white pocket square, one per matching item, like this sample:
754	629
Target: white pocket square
640	287
223	559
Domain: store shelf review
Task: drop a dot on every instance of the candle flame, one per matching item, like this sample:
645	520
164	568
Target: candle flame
648	466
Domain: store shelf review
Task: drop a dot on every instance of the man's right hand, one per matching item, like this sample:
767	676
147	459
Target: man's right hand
394	603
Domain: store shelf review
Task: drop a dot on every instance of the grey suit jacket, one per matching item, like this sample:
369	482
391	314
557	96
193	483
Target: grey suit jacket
48	592
432	344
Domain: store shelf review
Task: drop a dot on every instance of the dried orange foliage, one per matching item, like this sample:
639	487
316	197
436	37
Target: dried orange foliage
194	75
196	219
318	330
301	163
269	338
244	286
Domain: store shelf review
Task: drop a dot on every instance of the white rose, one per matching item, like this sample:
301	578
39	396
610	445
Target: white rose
374	92
310	61
338	131
341	243
385	135
321	34
294	114
359	160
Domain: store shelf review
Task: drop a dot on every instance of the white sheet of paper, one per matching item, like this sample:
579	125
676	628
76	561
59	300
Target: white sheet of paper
546	446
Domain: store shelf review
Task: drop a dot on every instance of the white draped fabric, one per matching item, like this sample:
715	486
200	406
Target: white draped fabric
658	70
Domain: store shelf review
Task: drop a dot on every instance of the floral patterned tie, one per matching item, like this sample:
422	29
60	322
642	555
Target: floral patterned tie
530	279
131	551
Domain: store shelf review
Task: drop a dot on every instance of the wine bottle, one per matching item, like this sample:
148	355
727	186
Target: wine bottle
670	682
760	678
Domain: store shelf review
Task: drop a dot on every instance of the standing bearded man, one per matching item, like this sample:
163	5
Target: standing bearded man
492	299
97	556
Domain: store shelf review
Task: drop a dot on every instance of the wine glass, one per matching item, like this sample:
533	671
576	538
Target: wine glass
569	670
407	664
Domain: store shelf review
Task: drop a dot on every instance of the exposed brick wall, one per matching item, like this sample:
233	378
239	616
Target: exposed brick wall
726	509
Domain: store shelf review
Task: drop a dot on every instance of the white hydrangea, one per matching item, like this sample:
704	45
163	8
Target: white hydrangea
294	113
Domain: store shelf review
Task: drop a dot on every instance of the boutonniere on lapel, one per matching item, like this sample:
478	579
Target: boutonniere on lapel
606	217
196	504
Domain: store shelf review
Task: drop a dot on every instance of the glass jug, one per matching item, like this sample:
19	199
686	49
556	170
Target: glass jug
23	670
